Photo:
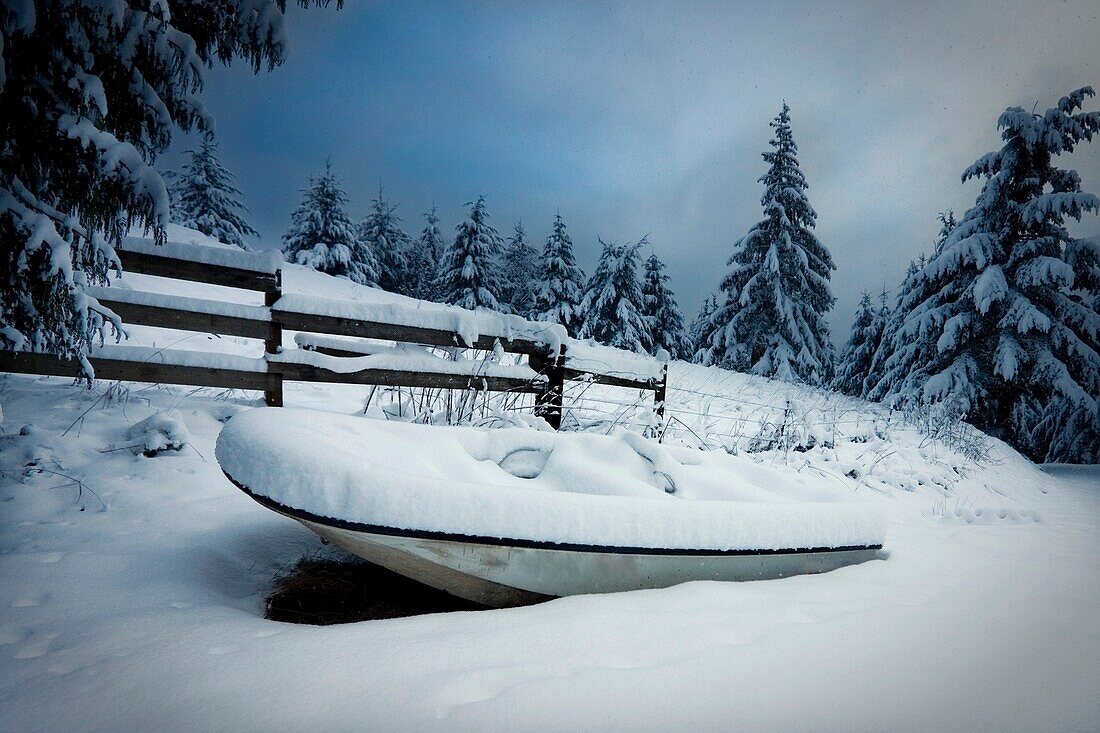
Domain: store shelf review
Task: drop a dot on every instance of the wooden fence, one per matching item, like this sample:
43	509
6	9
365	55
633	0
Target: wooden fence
548	371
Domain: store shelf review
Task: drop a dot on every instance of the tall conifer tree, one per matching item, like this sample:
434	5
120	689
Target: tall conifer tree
902	349
468	273
561	284
662	313
855	360
382	234
702	328
613	301
425	257
204	198
776	293
322	235
519	273
1012	311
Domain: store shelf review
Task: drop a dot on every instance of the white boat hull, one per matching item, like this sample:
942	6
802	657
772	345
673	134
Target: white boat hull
500	572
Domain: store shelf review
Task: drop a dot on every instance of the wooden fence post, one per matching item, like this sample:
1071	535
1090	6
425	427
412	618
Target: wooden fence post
660	390
548	404
273	396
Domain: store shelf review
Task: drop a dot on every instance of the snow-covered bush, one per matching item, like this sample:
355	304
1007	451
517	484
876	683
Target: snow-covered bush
23	453
28	454
794	429
160	432
945	422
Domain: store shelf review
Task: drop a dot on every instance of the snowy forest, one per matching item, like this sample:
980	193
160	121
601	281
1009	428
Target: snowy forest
514	345
999	321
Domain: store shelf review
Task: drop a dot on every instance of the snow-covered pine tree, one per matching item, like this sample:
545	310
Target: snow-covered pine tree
204	198
75	174
855	360
1068	432
883	317
662	313
900	348
427	253
776	293
322	235
613	300
701	329
560	288
896	350
467	274
382	234
519	272
1017	335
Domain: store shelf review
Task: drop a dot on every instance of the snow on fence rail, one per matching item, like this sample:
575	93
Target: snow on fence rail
552	358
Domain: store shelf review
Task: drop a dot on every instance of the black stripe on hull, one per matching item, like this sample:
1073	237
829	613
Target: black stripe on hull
294	513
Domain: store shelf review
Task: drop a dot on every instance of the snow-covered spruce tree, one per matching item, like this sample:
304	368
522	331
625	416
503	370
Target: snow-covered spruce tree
426	254
613	301
519	273
701	329
382	234
902	349
663	316
90	93
1012	309
560	287
322	235
776	293
204	198
467	274
855	360
883	317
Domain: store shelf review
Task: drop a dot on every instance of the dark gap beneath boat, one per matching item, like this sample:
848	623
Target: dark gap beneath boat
323	591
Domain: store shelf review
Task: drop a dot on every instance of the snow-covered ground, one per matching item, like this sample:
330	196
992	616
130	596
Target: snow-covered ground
132	600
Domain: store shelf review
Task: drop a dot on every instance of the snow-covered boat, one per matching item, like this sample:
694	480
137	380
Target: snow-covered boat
509	516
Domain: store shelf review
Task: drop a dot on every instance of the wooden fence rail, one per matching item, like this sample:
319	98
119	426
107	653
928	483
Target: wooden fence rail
268	322
133	370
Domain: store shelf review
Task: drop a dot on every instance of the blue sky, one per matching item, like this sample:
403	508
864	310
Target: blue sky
649	118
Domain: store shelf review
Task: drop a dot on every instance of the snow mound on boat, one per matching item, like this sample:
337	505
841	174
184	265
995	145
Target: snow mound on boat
516	483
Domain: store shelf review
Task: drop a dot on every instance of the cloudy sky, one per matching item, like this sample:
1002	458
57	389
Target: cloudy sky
649	118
